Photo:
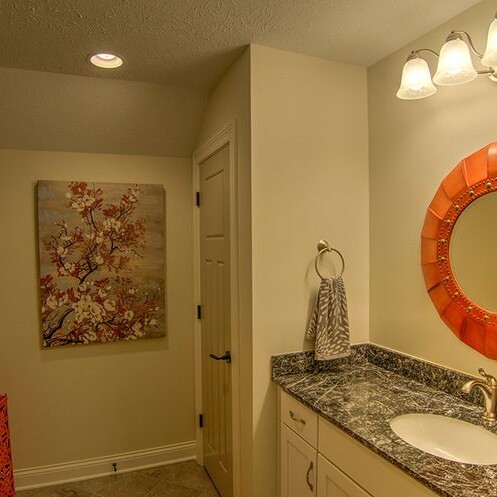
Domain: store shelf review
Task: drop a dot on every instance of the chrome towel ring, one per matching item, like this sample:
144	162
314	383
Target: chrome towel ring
324	246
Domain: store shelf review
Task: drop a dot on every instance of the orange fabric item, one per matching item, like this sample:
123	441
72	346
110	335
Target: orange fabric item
472	178
6	472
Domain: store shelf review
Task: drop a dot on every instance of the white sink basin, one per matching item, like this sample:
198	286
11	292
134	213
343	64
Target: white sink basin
448	438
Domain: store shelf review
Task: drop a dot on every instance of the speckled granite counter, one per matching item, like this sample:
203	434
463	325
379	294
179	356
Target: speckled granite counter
360	395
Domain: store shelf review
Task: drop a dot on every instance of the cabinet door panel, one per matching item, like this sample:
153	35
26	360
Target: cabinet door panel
298	465
333	483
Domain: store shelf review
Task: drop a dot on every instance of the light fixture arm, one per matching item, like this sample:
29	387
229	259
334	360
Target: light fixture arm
425	50
487	71
457	34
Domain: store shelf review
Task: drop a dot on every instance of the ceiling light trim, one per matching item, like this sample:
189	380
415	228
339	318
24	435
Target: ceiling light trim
105	60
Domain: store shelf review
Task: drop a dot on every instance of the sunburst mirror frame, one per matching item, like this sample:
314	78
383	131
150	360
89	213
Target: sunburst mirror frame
474	177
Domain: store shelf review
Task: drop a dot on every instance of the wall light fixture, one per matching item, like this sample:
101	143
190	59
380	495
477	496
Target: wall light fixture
455	66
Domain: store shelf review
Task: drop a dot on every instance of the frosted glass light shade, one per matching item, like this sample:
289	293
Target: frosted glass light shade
454	66
416	80
490	55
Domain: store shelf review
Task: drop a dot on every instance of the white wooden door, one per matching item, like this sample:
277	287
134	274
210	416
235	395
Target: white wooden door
297	465
333	483
215	321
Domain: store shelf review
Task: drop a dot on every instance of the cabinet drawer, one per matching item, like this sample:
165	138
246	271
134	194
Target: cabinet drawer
299	418
333	483
368	470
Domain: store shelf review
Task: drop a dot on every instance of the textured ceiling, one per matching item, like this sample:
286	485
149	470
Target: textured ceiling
192	42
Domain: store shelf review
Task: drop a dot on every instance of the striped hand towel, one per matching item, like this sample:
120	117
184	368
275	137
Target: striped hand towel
329	323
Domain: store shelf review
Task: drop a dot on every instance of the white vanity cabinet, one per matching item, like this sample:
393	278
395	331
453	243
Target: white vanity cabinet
303	471
298	453
318	459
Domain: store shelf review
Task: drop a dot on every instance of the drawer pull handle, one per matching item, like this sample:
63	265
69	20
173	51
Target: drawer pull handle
296	418
309	469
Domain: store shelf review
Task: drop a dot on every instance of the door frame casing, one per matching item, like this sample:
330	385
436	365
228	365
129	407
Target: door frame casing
227	136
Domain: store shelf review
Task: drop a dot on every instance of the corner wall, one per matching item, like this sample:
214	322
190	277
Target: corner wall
229	102
74	403
309	181
413	145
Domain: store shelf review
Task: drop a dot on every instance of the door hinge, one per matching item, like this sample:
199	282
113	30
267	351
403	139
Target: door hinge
200	420
199	312
197	199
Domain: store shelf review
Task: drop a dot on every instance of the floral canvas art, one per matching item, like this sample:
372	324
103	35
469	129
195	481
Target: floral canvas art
101	249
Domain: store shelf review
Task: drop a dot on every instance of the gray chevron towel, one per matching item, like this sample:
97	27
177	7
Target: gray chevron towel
329	324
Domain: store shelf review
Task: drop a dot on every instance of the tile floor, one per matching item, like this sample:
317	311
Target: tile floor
186	479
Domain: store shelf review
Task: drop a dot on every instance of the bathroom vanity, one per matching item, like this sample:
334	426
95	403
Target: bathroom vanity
335	434
318	458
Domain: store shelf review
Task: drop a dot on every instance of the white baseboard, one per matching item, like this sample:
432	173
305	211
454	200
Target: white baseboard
54	474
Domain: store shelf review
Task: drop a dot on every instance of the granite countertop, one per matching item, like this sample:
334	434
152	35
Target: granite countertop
363	393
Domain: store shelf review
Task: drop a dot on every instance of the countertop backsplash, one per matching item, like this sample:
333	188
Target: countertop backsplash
435	376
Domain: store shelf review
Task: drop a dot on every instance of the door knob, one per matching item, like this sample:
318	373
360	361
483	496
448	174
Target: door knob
226	357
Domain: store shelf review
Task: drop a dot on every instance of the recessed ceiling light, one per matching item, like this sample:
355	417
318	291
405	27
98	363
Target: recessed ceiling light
106	60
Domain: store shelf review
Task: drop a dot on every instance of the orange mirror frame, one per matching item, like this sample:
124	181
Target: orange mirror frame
472	178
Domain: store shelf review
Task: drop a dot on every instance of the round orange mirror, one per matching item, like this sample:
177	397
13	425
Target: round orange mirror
472	179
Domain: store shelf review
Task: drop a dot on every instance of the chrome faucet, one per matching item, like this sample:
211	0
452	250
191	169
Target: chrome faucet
488	386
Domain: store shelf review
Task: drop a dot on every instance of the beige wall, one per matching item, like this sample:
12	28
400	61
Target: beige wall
46	111
413	145
72	403
229	102
309	181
